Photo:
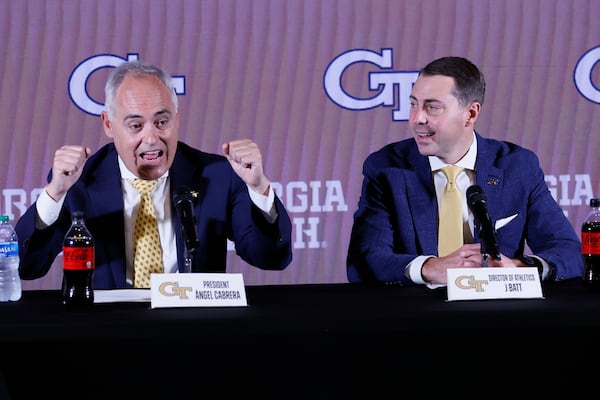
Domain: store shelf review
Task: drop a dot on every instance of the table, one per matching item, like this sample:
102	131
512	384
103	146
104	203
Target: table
303	341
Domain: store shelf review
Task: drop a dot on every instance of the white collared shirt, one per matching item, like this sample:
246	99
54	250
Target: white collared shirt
464	179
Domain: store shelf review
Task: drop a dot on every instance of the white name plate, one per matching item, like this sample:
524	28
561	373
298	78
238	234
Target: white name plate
494	283
197	290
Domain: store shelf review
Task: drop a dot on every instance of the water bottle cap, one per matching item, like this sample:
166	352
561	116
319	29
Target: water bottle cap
3	218
595	202
78	214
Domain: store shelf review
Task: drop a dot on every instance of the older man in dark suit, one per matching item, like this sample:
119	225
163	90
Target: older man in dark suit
234	197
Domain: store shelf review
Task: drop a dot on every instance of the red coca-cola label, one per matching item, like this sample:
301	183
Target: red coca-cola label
590	242
78	258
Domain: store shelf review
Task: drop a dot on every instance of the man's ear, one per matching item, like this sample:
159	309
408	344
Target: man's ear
472	113
106	124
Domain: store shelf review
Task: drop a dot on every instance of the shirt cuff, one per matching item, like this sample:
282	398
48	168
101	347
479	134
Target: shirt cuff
547	271
413	271
264	203
47	209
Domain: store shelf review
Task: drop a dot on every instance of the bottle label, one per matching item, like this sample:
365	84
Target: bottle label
9	249
590	242
78	258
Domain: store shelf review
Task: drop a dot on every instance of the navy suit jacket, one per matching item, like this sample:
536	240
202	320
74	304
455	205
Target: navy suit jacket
224	210
397	219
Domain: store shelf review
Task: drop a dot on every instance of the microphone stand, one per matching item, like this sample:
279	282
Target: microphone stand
189	252
189	258
484	253
181	198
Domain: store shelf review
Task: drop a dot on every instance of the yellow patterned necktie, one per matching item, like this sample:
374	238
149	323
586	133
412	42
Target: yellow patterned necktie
147	253
450	235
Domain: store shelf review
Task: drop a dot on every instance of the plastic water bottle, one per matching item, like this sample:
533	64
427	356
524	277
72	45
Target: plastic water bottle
10	282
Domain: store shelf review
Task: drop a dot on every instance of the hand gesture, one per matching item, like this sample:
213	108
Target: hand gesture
246	160
66	169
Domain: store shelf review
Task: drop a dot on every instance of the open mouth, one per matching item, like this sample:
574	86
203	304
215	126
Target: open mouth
425	134
151	155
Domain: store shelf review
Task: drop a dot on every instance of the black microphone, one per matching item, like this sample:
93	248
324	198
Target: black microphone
184	204
477	202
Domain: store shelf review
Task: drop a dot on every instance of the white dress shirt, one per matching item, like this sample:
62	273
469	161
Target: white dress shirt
465	178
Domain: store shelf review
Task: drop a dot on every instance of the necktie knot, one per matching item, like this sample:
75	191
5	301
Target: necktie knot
450	235
451	172
143	186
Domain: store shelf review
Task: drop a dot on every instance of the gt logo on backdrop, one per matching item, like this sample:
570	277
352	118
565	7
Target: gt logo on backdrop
80	75
583	75
385	82
382	82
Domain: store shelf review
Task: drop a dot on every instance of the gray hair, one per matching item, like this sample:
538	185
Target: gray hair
136	68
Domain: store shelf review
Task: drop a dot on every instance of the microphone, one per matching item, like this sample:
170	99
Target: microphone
477	202
184	204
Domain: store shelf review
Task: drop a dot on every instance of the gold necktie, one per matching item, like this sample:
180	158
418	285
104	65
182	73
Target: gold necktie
147	253
450	234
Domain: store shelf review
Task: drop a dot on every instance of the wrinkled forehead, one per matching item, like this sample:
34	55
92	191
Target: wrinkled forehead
143	95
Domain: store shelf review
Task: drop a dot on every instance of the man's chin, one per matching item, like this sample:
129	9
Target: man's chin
151	172
426	149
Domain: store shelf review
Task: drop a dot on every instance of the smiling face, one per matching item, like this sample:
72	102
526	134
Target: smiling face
144	127
440	125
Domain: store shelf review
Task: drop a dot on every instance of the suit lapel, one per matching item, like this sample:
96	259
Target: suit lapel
490	178
422	202
106	186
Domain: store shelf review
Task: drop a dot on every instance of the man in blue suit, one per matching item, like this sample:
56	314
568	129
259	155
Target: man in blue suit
235	200
394	237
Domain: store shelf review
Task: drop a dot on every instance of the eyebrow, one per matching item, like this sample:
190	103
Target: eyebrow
159	113
426	101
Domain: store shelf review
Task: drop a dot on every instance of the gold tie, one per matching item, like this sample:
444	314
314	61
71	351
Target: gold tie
147	253
450	235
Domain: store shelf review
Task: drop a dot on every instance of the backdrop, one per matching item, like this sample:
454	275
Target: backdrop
319	84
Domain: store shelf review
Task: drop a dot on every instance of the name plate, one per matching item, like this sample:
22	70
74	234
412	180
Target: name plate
197	290
494	283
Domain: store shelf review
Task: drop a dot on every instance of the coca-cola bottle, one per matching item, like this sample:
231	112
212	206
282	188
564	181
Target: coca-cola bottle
590	245
78	264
